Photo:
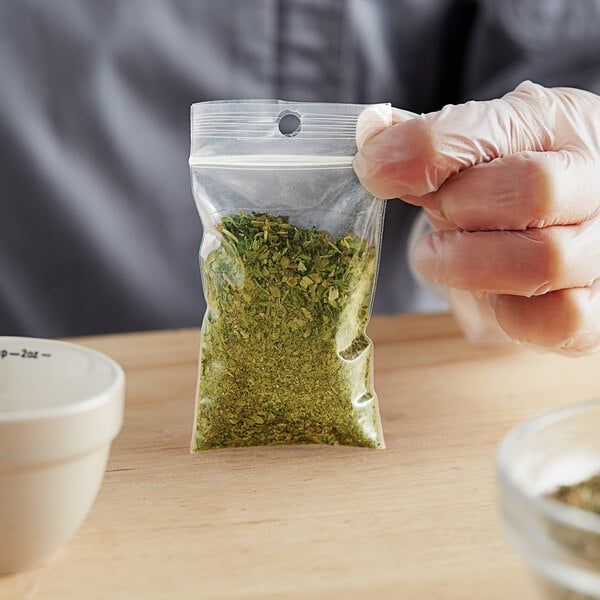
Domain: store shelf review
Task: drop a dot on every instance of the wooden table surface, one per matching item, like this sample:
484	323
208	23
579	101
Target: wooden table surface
415	521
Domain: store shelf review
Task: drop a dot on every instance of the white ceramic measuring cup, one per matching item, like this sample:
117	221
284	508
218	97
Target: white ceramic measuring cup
61	406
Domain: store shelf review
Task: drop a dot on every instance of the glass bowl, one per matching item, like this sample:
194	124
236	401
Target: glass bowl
560	543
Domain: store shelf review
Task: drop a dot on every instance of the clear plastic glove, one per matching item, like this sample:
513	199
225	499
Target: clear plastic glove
512	187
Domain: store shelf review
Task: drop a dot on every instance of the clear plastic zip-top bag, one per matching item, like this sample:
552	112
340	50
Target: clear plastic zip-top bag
289	261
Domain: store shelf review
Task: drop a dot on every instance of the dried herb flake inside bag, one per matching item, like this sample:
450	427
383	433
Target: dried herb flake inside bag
289	260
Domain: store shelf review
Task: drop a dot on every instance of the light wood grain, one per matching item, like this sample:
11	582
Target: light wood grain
415	521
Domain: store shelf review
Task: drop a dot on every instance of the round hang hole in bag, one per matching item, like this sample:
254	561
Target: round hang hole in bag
289	123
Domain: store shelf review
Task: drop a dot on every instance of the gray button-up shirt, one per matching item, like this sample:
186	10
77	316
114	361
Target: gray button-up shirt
98	229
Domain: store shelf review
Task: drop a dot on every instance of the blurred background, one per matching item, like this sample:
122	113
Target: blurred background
98	229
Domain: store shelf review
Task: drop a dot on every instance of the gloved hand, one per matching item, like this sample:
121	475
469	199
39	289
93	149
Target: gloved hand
512	187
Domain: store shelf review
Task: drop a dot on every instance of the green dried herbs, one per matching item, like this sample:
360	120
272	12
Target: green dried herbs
284	356
584	495
582	545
